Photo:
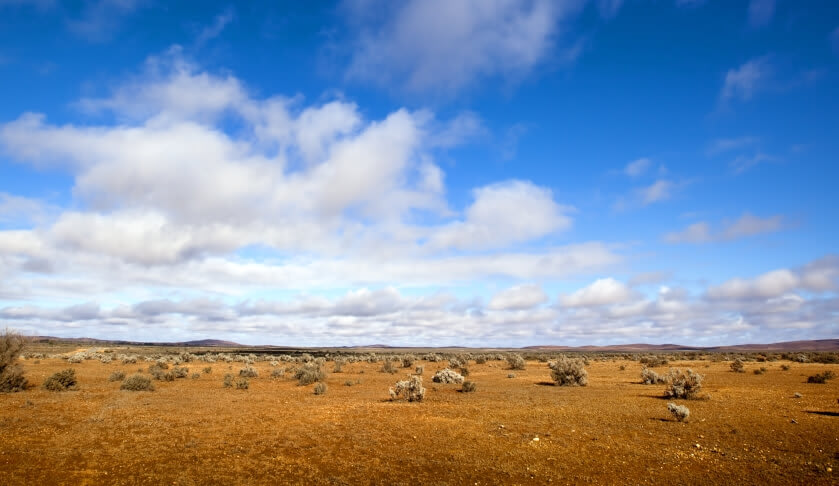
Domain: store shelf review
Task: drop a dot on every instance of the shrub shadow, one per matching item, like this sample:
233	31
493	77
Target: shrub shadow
826	414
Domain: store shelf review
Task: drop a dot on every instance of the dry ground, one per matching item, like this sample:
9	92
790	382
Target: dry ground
614	431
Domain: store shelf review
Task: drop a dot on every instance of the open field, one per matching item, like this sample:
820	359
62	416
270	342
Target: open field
752	430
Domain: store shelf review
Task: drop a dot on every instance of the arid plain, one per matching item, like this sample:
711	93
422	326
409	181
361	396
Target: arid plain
769	428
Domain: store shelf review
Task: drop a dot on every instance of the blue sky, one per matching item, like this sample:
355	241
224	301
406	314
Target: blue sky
420	172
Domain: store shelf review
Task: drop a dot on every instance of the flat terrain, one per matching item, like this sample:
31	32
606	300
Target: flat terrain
615	431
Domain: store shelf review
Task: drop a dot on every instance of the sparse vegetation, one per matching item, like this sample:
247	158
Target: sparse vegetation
419	370
568	372
388	367
515	361
447	375
737	366
248	372
117	376
242	383
683	384
410	389
277	373
137	382
61	381
650	377
320	388
821	377
468	387
11	374
309	373
228	381
679	412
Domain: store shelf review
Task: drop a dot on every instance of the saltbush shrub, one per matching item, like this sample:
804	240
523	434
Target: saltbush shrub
61	381
248	372
515	361
228	380
568	372
137	382
242	383
447	376
650	377
117	376
821	377
388	367
410	389
309	373
320	388
737	366
683	384
680	412
11	374
468	387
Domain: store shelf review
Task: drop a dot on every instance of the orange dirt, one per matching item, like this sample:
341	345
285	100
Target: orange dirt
614	431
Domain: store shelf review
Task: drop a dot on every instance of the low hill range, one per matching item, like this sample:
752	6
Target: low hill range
786	346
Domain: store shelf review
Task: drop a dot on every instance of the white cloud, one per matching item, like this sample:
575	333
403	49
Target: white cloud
502	214
768	285
761	12
444	46
743	82
745	226
723	145
660	190
215	29
637	167
518	297
602	291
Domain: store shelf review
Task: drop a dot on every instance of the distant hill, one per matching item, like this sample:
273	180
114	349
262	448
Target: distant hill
198	343
787	346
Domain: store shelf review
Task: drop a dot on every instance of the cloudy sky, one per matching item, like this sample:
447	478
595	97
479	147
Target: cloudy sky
423	172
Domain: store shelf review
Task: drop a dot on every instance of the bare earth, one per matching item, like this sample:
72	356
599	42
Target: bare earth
614	431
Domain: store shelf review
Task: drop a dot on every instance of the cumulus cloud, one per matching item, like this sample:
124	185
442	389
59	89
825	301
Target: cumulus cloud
445	46
524	296
818	276
504	213
660	190
600	292
747	225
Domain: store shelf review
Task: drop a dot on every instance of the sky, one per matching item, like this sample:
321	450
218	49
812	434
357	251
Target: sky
420	172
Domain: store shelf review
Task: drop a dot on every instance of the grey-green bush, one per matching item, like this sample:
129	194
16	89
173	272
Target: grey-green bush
117	376
737	366
680	412
568	372
447	376
61	381
228	381
11	374
309	373
410	389
137	382
683	384
320	388
248	372
468	387
515	361
650	377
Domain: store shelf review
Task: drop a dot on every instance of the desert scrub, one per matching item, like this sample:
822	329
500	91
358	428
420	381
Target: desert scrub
419	370
207	370
242	383
277	373
650	377
320	388
388	367
568	372
821	377
228	381
248	372
653	361
468	387
407	361
180	371
737	366
11	374
339	366
447	376
679	412
117	376
784	367
410	389
683	384
309	373
515	361
511	375
761	370
61	381
137	382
